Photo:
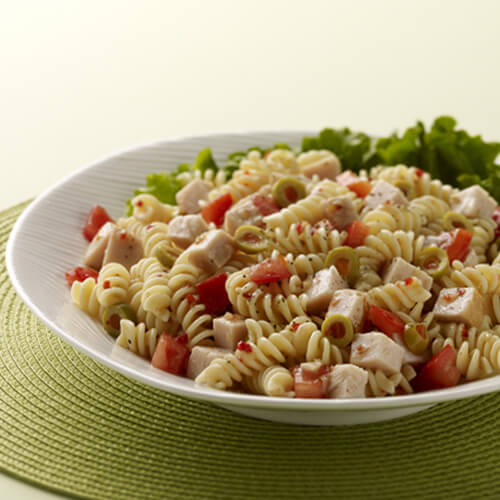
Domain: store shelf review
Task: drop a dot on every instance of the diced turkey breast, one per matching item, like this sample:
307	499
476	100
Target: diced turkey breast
347	381
376	351
473	202
189	197
241	214
324	284
184	229
399	269
383	192
229	330
460	305
409	357
472	259
340	211
351	304
201	357
122	248
95	251
211	250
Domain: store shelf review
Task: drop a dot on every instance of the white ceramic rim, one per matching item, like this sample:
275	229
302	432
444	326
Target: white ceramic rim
168	384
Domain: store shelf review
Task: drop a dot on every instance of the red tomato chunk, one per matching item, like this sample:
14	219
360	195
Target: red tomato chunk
356	234
216	210
171	354
213	294
386	321
361	188
270	270
80	273
439	372
310	384
457	244
95	220
265	204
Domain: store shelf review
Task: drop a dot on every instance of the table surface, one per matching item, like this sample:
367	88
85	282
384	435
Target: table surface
83	79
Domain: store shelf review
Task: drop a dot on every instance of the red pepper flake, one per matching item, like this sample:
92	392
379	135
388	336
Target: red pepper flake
149	226
295	326
246	172
360	348
190	298
139	203
338	206
448	298
300	228
461	292
123	235
387	202
247	295
408	281
106	284
243	346
419	172
465	333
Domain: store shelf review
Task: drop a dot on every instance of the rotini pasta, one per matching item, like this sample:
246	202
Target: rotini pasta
113	284
137	338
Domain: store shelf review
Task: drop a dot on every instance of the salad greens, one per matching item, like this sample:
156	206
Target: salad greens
447	153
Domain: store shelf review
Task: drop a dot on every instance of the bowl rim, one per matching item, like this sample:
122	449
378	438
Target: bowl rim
167	382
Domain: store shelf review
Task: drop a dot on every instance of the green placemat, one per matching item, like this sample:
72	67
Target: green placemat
71	425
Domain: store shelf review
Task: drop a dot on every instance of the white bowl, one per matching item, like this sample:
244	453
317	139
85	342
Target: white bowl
47	240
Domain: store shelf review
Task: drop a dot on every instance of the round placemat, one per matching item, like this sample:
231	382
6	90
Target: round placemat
71	425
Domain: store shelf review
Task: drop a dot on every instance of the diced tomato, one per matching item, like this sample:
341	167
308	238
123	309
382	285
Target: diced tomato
213	294
439	372
310	383
265	204
457	244
356	234
270	270
80	273
496	218
215	210
171	353
96	219
362	188
386	321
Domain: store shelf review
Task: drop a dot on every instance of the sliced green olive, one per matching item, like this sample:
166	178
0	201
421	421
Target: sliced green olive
251	239
346	260
416	337
288	190
338	329
407	187
166	258
112	316
454	220
434	261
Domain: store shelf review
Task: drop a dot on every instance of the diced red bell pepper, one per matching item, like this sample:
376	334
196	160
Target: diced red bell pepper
496	218
80	273
216	210
386	321
439	372
265	204
95	220
361	187
213	295
270	270
310	383
171	353
356	234
457	244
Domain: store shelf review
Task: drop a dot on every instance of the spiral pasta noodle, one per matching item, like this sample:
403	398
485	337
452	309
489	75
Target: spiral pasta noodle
147	208
393	218
276	380
112	284
137	338
483	277
83	294
380	384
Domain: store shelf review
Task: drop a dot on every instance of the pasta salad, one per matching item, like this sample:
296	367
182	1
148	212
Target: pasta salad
286	274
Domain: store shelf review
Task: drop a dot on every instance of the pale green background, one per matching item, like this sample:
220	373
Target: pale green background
81	79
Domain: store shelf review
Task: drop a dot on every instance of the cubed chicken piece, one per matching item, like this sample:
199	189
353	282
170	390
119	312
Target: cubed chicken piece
189	197
201	357
242	213
123	248
399	269
184	229
211	250
324	284
324	164
340	212
376	351
351	304
229	330
383	192
347	381
95	251
473	202
472	259
460	305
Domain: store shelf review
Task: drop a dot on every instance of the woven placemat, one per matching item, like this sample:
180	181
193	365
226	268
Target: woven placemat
71	425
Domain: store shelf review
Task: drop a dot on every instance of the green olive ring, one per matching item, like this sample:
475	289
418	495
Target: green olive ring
112	316
251	239
166	258
434	261
339	255
288	190
338	329
454	220
416	337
